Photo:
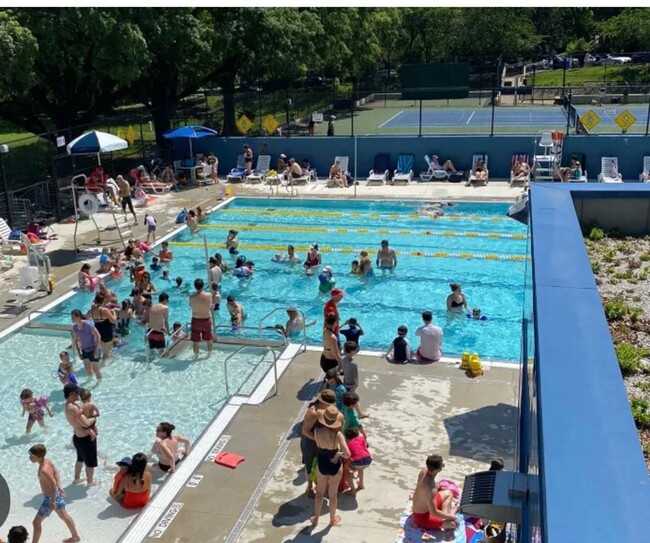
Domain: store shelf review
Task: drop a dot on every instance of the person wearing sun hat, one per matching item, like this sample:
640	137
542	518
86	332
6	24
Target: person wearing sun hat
326	280
332	449
308	447
124	466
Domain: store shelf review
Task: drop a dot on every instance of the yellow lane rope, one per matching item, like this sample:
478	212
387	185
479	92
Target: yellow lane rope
372	215
323	230
439	254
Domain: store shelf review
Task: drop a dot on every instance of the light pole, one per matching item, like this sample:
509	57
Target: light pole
4	149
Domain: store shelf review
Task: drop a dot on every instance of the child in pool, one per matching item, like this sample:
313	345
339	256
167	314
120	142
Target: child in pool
165	276
216	297
65	372
35	408
236	310
232	242
155	264
476	315
90	411
354	268
177	331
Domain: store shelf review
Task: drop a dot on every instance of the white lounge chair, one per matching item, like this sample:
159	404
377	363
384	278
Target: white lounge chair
379	173
238	173
404	171
344	160
433	173
472	178
258	175
522	180
644	177
609	170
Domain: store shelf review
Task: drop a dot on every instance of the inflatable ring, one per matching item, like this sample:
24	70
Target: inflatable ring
88	204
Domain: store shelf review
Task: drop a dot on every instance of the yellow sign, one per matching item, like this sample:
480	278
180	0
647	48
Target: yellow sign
244	124
270	124
130	135
625	120
590	119
120	134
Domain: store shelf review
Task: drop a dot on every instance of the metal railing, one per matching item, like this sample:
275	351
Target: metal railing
304	323
240	349
38	312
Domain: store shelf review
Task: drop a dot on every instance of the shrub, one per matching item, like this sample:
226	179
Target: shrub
635	313
645	257
595	267
609	255
596	234
627	274
622	247
629	358
614	309
640	412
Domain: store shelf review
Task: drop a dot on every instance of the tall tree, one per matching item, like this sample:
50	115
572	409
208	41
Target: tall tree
18	48
86	60
628	31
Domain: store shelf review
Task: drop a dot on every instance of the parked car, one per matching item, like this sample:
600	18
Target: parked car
559	62
641	58
593	60
386	73
611	59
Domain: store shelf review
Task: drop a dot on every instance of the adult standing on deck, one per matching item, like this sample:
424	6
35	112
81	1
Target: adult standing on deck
125	197
248	159
308	447
87	340
386	256
201	327
84	444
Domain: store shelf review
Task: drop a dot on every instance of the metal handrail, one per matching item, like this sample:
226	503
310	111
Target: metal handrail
304	324
275	367
40	312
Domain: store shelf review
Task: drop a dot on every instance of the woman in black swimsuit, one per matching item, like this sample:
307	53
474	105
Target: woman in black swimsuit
456	301
330	357
332	449
145	285
105	320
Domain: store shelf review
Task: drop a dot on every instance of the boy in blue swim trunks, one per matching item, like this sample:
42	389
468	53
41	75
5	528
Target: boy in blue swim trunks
53	494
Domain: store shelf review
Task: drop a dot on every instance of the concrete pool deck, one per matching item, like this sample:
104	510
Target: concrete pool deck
414	411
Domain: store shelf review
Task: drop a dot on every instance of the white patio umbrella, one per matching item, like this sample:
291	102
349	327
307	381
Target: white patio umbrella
94	143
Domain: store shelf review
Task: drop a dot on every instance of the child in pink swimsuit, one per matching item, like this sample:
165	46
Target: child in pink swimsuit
35	408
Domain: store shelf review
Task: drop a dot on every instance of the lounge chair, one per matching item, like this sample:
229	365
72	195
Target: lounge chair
379	173
522	180
404	171
344	160
644	177
433	173
5	233
258	175
609	170
472	177
238	173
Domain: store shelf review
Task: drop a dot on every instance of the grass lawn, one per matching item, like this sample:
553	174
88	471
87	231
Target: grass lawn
591	74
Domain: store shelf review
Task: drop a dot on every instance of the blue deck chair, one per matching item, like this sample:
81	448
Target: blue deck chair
379	173
238	173
404	172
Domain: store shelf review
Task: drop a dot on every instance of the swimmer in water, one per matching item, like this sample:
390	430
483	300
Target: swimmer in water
232	242
433	210
386	256
354	267
35	409
365	265
313	260
236	310
476	315
294	325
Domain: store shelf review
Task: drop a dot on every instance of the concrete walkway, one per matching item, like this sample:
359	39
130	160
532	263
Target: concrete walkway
414	411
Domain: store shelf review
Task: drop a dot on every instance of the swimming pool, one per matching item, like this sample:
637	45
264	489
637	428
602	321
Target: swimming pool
473	244
133	397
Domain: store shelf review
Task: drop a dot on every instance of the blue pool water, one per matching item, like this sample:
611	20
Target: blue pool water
380	303
133	398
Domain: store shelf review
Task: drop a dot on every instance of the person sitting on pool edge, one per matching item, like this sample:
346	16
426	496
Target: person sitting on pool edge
430	340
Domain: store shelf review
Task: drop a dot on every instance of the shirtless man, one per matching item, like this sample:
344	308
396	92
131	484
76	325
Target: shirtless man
294	171
336	174
84	444
53	494
158	322
433	508
201	327
125	197
386	256
166	447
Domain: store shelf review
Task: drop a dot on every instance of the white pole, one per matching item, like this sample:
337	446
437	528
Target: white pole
355	167
207	258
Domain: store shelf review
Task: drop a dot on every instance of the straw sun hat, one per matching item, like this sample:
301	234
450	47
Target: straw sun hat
331	417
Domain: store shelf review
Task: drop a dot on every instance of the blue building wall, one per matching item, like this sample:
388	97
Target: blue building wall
594	483
459	149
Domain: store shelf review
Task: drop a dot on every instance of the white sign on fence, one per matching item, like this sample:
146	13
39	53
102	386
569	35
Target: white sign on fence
610	110
60	141
317	117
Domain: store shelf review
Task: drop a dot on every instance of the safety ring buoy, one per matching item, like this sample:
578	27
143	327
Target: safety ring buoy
88	204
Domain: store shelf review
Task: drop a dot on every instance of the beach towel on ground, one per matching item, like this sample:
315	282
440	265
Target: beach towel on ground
408	532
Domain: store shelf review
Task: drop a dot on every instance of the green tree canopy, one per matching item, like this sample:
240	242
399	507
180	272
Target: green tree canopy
18	48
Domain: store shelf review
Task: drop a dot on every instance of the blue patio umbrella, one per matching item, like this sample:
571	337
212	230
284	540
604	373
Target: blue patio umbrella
94	143
190	132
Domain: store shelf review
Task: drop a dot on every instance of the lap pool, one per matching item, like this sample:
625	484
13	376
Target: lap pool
475	245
